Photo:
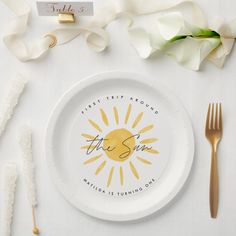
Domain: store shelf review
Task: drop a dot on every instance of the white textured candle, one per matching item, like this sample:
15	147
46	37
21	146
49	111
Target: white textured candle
9	186
10	102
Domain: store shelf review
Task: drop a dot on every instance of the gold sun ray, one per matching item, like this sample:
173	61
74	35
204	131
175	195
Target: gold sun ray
116	115
152	151
110	176
100	167
133	169
104	117
148	140
144	160
138	118
88	136
114	137
92	159
88	147
145	129
128	113
95	125
121	176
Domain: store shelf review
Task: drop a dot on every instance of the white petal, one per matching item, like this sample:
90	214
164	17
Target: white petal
190	52
172	24
140	39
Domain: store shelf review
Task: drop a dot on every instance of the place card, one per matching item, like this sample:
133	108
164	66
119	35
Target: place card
52	8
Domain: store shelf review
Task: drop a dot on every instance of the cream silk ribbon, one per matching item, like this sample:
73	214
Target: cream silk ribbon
151	36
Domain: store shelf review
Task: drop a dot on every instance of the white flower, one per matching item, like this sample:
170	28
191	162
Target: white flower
190	52
170	33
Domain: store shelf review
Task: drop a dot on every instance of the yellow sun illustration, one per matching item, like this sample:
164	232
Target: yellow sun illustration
119	145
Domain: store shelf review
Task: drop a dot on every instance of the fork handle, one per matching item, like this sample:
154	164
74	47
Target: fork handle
214	184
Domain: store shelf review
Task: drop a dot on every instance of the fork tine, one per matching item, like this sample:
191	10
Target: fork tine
212	116
217	117
220	118
208	116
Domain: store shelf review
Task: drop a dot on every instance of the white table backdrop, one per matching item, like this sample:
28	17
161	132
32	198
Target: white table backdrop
51	76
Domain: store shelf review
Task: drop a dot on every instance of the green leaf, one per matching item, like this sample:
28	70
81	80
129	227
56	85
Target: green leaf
178	37
206	33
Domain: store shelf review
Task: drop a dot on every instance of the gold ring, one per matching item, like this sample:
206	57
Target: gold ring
53	40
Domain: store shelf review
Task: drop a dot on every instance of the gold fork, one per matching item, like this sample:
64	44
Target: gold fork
213	133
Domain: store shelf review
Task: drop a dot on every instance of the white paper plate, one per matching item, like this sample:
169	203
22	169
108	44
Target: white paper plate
146	155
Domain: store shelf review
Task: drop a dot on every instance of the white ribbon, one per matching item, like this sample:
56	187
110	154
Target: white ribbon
227	31
145	39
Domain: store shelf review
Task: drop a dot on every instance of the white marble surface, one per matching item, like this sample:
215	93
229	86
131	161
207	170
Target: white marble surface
52	75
